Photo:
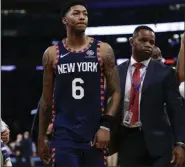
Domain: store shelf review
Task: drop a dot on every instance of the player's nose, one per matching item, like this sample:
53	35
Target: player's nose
82	16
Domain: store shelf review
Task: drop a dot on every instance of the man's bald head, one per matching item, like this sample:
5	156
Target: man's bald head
156	54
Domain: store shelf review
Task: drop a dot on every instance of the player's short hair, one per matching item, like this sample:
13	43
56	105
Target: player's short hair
142	27
66	7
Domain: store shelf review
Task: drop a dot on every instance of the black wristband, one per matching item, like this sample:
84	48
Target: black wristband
107	121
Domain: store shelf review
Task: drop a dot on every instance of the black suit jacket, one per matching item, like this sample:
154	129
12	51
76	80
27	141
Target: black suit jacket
160	86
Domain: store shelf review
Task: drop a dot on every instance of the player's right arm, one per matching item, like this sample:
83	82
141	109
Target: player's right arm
180	62
46	103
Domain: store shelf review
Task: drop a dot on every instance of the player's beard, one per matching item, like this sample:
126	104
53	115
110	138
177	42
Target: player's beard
79	31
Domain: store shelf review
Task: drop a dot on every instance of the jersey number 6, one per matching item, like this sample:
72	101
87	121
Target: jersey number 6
77	91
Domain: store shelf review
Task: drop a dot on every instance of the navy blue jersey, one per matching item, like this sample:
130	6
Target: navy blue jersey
78	95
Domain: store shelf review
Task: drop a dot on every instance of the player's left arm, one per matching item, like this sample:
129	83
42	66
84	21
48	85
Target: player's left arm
180	62
112	80
107	121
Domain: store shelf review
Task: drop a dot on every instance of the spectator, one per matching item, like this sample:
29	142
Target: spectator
27	148
17	149
5	158
156	54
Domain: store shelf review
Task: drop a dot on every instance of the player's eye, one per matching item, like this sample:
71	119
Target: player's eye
75	13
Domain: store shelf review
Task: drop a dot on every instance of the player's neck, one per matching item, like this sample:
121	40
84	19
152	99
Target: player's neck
76	40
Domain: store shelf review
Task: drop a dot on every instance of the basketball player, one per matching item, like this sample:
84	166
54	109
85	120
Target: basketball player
81	127
180	63
181	67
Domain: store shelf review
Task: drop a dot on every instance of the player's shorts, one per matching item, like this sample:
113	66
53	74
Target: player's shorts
68	157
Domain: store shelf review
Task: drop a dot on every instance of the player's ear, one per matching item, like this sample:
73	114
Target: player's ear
131	41
64	20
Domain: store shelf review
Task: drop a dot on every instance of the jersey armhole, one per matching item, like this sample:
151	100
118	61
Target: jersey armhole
54	77
100	61
57	57
102	78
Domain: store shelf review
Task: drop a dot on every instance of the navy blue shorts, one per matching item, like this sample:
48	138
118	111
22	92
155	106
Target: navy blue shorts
68	157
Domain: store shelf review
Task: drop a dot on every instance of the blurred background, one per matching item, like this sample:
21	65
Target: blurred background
30	26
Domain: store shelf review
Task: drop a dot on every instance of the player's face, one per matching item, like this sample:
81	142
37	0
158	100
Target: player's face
143	44
77	18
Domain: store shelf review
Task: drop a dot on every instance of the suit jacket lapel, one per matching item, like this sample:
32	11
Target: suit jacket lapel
123	74
148	76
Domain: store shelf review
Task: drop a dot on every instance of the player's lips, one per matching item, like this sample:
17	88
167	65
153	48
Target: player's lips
81	23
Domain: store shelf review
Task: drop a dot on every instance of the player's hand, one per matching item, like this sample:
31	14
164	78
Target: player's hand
5	135
101	139
178	156
43	151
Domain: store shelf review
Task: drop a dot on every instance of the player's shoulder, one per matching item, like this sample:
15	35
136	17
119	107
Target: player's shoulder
105	46
51	52
106	50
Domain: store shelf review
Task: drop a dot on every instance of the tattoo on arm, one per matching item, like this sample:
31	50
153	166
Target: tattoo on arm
110	72
46	99
112	79
44	118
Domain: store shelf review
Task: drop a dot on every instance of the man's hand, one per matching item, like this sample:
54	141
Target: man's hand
178	156
5	135
101	139
43	150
